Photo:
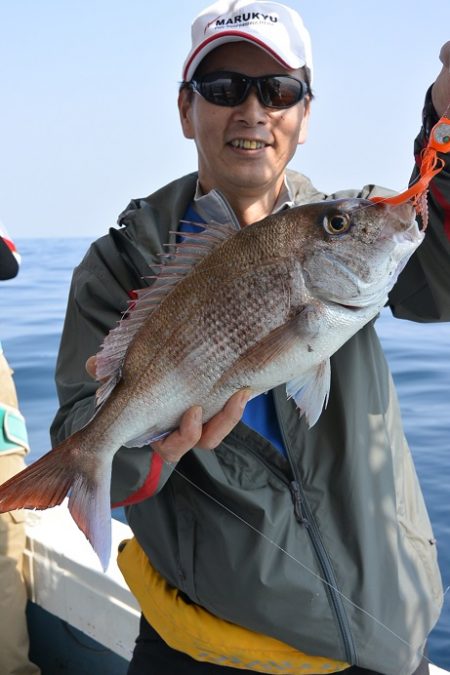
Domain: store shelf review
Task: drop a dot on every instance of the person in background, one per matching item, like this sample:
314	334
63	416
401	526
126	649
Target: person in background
352	580
14	643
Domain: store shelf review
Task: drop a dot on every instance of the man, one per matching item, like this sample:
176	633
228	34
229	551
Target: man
286	550
14	642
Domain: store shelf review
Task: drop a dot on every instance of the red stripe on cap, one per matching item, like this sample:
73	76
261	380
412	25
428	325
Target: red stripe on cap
239	34
149	486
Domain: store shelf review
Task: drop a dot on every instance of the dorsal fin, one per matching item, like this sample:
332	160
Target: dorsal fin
175	265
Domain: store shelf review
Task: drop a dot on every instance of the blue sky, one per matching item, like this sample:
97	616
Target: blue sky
88	102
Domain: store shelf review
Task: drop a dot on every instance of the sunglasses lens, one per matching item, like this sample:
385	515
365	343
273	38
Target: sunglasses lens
281	91
224	89
231	89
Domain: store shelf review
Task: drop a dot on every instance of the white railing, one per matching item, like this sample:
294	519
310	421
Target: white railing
64	577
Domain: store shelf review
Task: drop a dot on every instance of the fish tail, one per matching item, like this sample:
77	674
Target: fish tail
46	483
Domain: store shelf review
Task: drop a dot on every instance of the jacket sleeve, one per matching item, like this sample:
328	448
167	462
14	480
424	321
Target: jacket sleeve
422	292
97	298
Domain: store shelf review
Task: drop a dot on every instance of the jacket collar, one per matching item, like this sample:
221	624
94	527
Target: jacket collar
214	207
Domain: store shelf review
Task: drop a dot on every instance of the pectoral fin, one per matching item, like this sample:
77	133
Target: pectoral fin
270	348
310	391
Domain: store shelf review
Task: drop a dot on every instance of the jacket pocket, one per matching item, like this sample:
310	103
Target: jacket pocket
416	527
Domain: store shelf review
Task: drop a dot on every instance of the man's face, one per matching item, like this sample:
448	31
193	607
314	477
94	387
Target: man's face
223	162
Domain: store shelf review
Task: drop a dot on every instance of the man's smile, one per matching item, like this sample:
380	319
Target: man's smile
247	144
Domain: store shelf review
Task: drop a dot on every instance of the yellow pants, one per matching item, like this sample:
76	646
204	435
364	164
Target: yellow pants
14	643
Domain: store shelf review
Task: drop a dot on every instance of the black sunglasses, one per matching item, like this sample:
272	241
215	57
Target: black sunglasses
231	89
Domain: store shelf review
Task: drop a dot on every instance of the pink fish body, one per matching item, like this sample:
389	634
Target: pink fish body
265	305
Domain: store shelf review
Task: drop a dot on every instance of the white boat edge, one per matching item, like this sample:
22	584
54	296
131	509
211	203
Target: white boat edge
64	577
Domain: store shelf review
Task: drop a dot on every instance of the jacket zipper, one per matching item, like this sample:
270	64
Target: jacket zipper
305	516
293	486
297	498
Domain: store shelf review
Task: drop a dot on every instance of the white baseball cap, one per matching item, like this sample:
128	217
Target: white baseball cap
274	27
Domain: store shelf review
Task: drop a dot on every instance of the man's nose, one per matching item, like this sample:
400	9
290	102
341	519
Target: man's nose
251	110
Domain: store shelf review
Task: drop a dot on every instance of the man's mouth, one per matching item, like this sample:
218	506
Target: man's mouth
246	144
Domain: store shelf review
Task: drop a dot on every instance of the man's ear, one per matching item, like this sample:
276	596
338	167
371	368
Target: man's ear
185	109
303	133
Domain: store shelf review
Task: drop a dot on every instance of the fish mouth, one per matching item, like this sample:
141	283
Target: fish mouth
413	235
405	227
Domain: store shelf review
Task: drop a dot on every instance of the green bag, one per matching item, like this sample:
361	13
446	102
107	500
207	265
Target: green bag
13	431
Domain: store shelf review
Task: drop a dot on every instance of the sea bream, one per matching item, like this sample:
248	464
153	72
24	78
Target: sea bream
253	308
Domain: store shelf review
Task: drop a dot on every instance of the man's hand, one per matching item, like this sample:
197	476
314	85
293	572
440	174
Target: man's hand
91	367
192	432
440	92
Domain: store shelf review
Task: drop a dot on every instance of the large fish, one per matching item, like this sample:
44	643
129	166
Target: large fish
265	305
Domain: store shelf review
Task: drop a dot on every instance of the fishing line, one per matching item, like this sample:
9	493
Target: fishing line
294	559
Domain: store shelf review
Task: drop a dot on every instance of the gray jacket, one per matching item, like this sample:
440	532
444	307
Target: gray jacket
330	551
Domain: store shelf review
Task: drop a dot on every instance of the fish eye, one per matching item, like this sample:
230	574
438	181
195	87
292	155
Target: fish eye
337	223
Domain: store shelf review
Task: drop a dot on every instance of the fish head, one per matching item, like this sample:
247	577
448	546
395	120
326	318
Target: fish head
352	250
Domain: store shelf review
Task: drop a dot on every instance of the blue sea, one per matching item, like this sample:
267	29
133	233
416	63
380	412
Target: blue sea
33	307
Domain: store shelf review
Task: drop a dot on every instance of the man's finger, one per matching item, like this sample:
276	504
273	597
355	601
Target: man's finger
445	54
176	444
440	91
91	366
221	424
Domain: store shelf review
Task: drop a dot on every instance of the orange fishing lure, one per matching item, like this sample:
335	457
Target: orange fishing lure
430	165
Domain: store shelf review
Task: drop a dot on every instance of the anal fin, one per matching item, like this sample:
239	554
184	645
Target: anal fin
146	438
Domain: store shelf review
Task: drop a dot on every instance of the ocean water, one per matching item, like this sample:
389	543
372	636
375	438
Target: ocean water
32	308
